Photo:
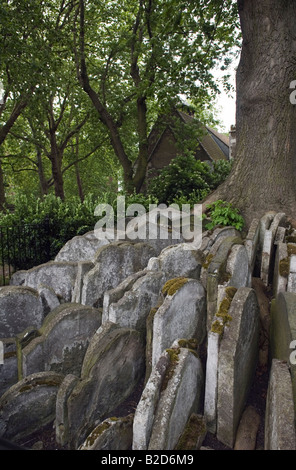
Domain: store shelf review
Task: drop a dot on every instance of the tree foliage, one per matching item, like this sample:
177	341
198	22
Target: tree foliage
85	81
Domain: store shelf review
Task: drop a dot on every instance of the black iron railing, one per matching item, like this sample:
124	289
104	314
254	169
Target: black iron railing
22	247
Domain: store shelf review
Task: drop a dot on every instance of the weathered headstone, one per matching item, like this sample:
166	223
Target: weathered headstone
281	269
268	248
283	331
80	248
64	338
180	397
29	405
178	260
252	243
58	275
132	309
111	434
181	315
113	263
238	355
112	367
217	274
20	307
280	412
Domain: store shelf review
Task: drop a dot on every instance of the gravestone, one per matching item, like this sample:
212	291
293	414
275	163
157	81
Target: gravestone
29	405
280	413
238	355
64	337
283	331
178	400
112	367
181	315
111	434
132	309
20	307
113	263
57	275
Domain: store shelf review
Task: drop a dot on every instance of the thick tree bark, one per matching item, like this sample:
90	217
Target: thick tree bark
264	172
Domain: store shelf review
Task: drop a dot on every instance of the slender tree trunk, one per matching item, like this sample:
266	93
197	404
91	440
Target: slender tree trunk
105	116
2	190
78	178
42	179
56	167
264	172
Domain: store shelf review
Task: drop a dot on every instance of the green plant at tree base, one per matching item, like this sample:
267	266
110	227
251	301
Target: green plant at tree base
223	213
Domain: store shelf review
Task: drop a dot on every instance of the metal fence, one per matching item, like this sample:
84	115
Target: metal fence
22	247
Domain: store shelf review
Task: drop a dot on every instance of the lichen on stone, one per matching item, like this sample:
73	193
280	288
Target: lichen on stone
173	354
171	286
291	247
194	429
284	267
208	260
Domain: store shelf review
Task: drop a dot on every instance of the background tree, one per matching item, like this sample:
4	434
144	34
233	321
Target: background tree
264	170
135	58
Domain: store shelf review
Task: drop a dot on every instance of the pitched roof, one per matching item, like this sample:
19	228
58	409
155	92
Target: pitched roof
215	144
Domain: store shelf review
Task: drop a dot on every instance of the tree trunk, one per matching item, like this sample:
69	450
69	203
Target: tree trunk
77	172
42	180
2	190
264	172
142	159
56	167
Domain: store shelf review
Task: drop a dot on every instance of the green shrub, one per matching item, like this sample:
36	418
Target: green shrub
37	229
187	179
223	213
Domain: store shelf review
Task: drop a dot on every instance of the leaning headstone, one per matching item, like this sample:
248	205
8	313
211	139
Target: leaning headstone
48	298
83	268
113	263
111	434
18	278
220	321
58	275
280	413
112	367
247	429
113	296
218	275
29	405
238	354
19	307
80	248
132	309
147	406
237	267
181	315
178	260
281	269
180	397
252	243
267	261
9	364
283	331
64	338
